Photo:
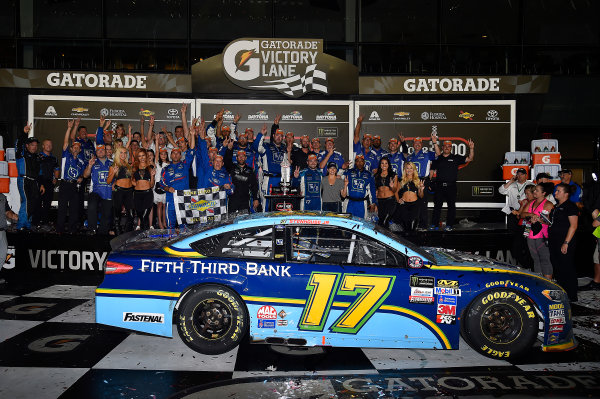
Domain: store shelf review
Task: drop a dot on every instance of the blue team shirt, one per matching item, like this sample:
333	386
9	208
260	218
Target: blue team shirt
422	160
72	167
98	175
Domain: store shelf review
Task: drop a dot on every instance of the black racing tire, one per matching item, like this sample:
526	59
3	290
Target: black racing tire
212	319
501	324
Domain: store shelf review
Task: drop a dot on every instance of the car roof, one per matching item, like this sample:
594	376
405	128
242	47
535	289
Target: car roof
308	218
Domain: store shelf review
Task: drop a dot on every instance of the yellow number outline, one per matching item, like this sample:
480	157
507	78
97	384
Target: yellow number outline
318	305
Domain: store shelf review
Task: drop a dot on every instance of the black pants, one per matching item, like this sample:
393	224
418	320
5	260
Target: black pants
83	188
407	215
331	207
68	202
46	203
104	207
32	191
123	198
422	209
518	246
385	210
238	203
444	192
564	267
142	202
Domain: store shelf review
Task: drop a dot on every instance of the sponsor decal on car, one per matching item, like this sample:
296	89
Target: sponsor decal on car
446	309
415	262
420	299
555	306
447	291
447	283
144	317
506	283
445	319
557	320
447	300
266	323
282	314
266	312
556	313
552	338
421	281
421	295
282	323
556	328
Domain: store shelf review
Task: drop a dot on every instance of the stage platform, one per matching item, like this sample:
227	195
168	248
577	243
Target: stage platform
50	347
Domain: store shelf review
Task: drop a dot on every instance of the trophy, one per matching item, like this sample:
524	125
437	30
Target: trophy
286	175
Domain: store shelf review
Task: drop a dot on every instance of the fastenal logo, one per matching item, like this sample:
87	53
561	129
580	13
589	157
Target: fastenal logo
50	111
146	112
492	115
374	116
289	66
262	116
292	116
433	115
327	116
144	317
466	115
401	116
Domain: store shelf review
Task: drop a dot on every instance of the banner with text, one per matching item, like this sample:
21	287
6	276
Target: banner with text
489	123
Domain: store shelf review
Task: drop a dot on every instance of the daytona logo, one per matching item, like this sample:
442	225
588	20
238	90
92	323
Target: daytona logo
144	317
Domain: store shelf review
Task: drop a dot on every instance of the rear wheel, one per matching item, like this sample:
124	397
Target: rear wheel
500	324
212	319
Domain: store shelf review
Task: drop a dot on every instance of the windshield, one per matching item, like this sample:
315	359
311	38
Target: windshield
403	241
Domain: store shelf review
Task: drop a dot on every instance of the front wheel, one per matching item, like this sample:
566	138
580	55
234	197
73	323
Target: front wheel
500	324
212	319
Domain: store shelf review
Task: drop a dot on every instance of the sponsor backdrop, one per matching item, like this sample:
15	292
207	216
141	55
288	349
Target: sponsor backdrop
50	114
491	124
321	119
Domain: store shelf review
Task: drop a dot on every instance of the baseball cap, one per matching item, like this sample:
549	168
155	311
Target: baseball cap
249	129
361	156
241	151
367	136
521	170
76	143
163	149
316	139
312	156
240	135
418	139
226	127
218	157
569	171
542	175
100	147
279	131
180	139
393	140
332	165
377	137
289	134
175	149
305	135
214	149
31	140
330	139
447	142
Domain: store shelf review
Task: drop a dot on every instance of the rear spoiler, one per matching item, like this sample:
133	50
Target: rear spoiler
121	239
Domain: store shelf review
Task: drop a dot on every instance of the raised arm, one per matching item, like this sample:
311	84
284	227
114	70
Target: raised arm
75	127
184	124
471	151
68	134
359	121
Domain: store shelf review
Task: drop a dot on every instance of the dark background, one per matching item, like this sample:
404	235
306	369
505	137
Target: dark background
560	38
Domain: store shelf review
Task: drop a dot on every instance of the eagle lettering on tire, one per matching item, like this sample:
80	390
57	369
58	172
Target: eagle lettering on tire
500	324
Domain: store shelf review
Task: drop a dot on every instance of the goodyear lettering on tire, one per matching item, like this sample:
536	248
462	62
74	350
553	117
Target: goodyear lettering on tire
518	299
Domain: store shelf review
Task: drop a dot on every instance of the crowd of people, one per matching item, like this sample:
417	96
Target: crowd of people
543	218
130	177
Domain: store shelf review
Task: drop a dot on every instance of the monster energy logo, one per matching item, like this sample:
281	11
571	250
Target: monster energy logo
483	191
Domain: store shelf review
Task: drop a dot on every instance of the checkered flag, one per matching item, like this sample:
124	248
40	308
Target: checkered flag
200	206
297	85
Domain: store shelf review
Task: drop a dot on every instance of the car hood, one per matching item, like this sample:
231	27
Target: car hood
451	257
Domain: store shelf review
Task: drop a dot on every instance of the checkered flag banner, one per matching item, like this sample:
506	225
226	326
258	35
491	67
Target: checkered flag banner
297	85
200	206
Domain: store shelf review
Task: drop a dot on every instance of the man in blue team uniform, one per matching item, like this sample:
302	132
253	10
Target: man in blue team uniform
175	176
360	187
72	169
422	160
364	149
396	157
330	155
309	180
215	175
377	149
271	155
100	197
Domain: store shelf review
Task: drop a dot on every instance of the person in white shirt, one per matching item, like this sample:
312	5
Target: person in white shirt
514	189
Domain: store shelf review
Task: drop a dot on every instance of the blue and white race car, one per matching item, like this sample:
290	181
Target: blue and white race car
317	279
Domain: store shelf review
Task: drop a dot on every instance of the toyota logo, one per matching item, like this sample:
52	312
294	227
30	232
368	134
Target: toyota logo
172	112
492	113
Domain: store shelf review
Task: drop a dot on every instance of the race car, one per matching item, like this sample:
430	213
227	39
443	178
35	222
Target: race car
319	279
